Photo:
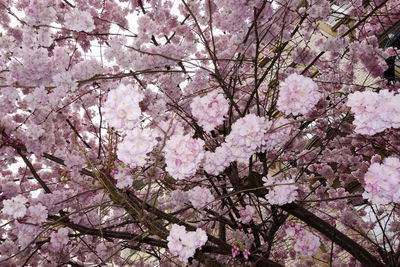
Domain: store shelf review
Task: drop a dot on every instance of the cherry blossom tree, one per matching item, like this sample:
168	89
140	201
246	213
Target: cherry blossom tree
199	132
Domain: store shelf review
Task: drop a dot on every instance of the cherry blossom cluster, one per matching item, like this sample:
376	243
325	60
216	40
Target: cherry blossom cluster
184	244
37	214
200	196
246	214
179	197
216	162
135	148
279	133
183	155
382	182
121	110
209	110
79	20
297	95
15	207
374	112
123	179
59	239
306	243
236	251
40	12
280	191
247	137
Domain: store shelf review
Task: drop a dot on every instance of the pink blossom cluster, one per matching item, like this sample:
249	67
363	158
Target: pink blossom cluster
59	239
200	197
183	155
247	137
246	254
102	250
210	110
279	133
123	179
236	251
374	112
37	214
88	68
382	182
297	95
65	80
40	12
136	146
79	20
281	191
26	233
7	43
15	207
121	110
36	68
179	197
216	162
306	243
184	244
246	214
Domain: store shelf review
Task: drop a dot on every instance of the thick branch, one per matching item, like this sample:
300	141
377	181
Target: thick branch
352	247
357	251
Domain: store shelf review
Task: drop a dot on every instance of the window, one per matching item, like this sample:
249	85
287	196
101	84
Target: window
391	38
339	13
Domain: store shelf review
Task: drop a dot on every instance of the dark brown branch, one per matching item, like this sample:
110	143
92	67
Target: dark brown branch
34	173
352	247
102	232
20	152
61	162
357	251
140	2
77	134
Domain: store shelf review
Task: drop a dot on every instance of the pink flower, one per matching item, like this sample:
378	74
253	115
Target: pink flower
247	214
278	134
281	192
216	162
123	180
200	197
184	244
210	110
370	115
235	251
246	254
37	214
247	137
134	149
15	207
382	182
59	239
306	244
40	12
79	20
297	95
183	156
121	110
201	237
